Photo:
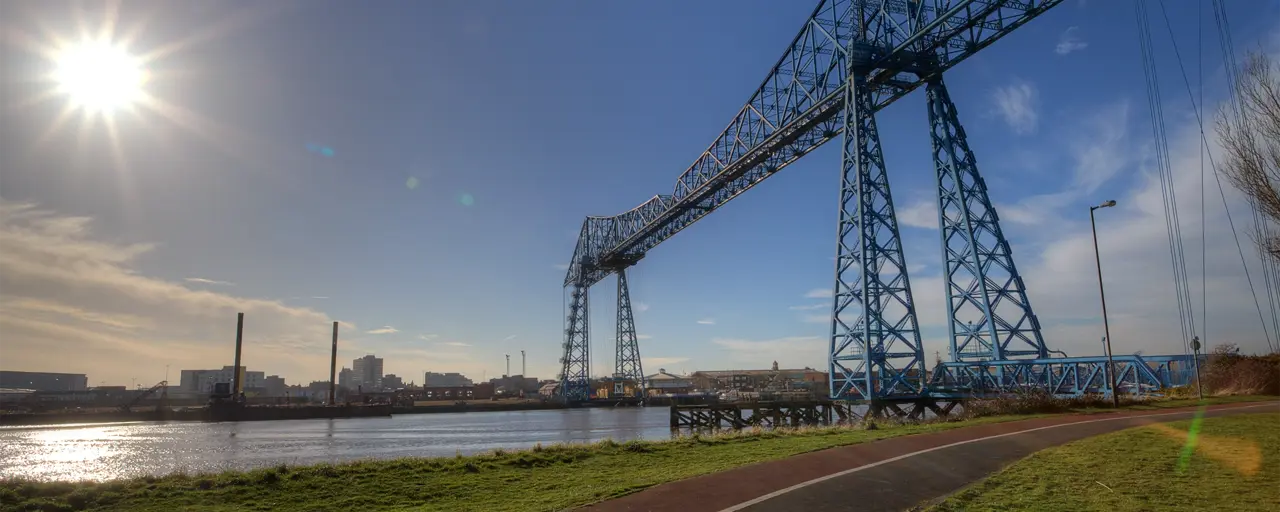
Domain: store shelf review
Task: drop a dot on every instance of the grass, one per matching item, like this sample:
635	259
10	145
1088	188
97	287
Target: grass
543	478
1235	466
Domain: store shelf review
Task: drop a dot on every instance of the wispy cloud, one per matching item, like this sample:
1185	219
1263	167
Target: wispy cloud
386	329
1069	42
920	214
202	280
818	293
561	266
319	297
655	362
640	307
1016	104
428	337
793	351
73	300
643	337
707	321
454	344
808	307
509	338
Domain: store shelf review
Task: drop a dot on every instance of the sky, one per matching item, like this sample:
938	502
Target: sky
418	172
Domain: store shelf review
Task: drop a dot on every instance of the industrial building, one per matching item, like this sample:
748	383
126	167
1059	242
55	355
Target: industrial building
202	381
445	380
43	381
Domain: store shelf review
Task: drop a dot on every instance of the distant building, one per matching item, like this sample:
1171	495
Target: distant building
514	384
274	385
43	381
367	372
391	381
346	379
773	379
202	381
446	380
663	383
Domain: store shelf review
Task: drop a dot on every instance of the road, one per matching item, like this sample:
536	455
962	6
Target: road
893	474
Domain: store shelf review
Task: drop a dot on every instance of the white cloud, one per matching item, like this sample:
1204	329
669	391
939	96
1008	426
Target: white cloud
319	297
453	344
509	338
428	337
644	337
1068	42
808	307
921	214
792	352
71	302
1016	103
707	321
653	363
386	329
640	307
201	280
818	293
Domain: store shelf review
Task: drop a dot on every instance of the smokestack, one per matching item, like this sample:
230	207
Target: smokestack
333	365
508	365
523	371
235	371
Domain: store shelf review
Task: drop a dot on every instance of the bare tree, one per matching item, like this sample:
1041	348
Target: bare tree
1250	134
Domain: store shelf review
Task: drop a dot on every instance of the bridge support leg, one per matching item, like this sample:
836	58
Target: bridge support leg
627	366
575	376
875	349
989	315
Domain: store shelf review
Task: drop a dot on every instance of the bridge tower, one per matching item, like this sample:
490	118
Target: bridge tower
627	365
988	314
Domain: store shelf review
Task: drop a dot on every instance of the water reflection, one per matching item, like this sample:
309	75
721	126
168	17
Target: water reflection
104	452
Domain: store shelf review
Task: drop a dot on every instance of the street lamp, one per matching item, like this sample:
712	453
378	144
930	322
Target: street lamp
1106	328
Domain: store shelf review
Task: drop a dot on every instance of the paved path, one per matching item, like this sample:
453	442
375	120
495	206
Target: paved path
892	474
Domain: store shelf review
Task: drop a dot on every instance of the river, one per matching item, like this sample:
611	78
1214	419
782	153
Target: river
122	450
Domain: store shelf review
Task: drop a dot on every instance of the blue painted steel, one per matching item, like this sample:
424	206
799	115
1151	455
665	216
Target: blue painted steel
875	343
575	374
896	45
1060	376
627	365
988	313
795	109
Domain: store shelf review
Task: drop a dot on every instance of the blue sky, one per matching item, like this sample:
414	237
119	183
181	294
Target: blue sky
466	141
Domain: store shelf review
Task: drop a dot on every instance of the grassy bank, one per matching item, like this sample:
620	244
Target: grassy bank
1235	465
544	478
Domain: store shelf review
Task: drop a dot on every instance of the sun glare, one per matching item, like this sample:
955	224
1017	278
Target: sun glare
99	77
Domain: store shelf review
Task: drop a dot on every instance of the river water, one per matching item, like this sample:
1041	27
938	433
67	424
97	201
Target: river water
121	450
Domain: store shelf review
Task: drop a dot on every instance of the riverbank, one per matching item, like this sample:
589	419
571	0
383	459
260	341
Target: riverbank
543	478
1232	464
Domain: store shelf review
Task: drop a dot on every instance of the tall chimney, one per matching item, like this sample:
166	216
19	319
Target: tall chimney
333	365
508	374
523	370
235	370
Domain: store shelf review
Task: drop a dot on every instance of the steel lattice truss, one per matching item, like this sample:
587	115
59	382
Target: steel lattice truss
875	343
851	59
1060	376
575	374
989	315
627	366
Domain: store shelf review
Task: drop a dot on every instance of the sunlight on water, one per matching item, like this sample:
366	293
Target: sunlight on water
110	451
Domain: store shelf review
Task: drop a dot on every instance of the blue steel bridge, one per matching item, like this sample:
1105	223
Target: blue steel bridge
850	60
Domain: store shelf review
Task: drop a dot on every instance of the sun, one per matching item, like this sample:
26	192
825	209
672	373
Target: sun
99	77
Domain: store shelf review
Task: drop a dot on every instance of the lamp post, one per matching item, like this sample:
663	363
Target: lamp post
1106	328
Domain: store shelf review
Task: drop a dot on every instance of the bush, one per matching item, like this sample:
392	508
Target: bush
1227	372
